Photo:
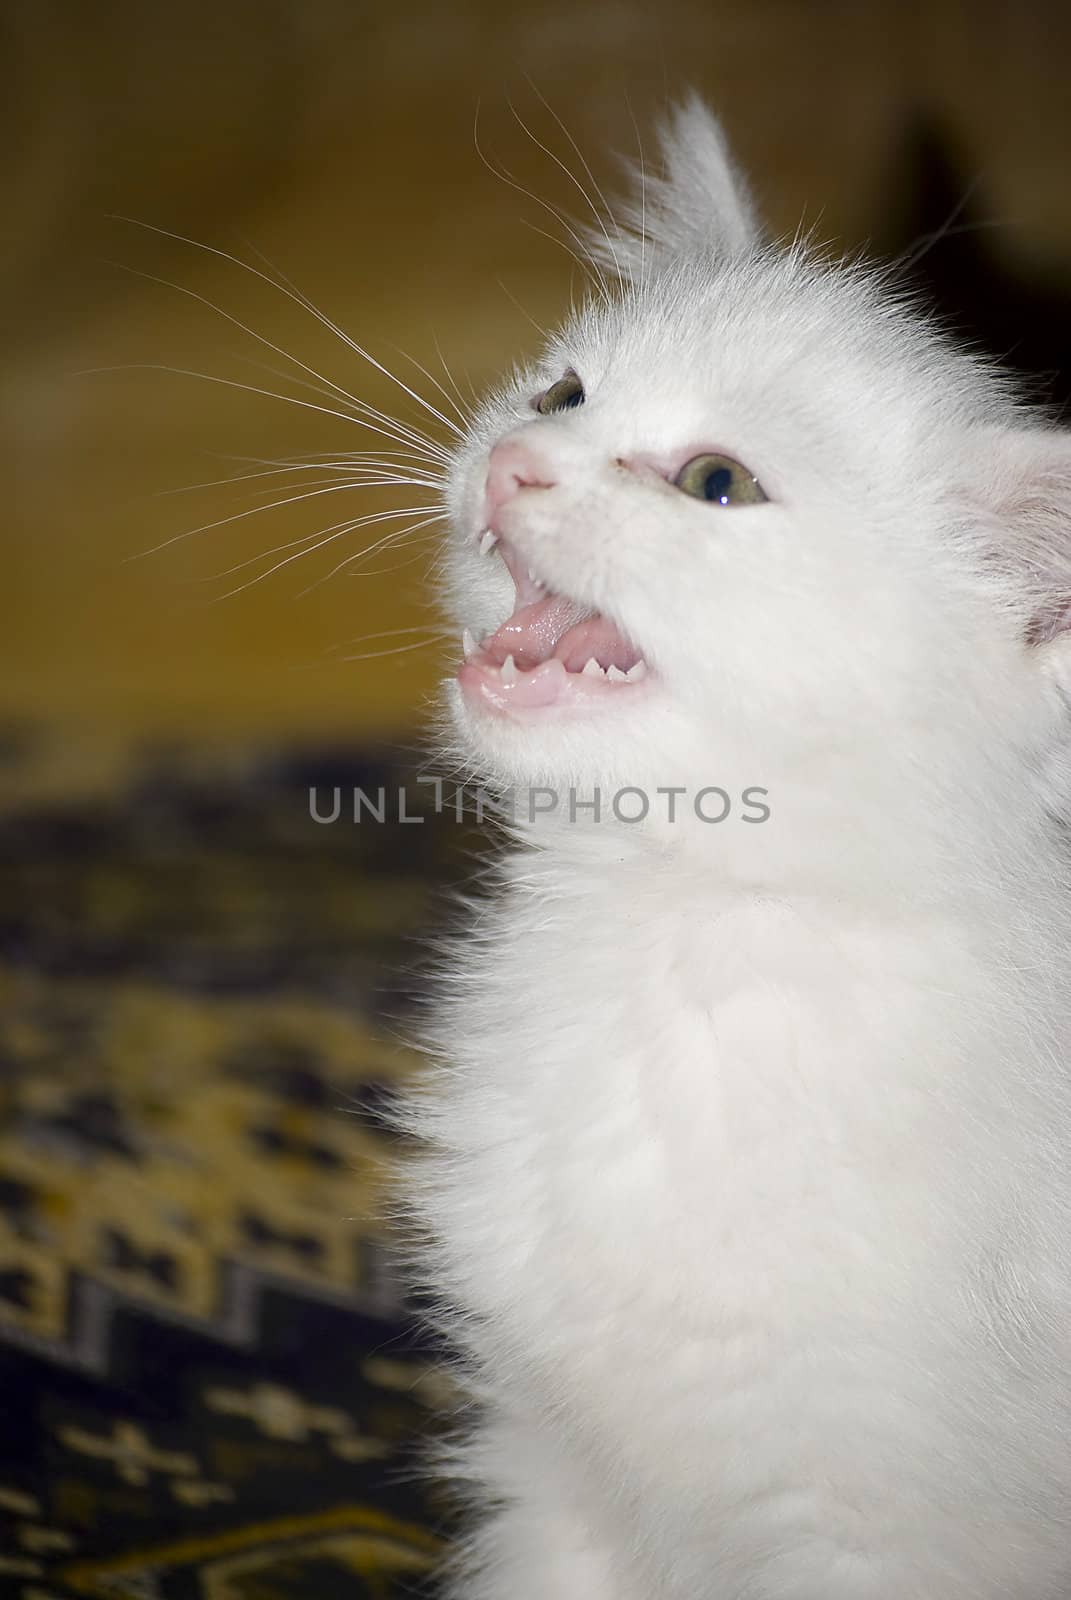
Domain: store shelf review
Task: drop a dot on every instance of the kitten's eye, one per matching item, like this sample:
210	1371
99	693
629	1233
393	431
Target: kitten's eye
562	396
721	480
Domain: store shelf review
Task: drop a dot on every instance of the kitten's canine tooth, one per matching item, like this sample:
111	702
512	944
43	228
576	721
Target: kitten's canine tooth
634	674
509	670
488	542
468	644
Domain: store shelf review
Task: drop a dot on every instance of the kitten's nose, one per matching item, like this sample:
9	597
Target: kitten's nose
513	465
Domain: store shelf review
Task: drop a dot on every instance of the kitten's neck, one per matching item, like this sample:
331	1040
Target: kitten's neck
854	831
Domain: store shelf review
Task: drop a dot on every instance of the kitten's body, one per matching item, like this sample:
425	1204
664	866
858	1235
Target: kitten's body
749	1180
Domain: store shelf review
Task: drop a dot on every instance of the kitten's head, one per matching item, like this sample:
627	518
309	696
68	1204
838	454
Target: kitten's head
749	508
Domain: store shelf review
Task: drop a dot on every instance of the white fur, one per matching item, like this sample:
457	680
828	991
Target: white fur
749	1177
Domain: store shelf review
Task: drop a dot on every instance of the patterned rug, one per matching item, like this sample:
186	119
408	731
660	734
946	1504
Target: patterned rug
210	1383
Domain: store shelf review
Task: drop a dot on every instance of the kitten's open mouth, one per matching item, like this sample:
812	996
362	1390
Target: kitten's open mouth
550	651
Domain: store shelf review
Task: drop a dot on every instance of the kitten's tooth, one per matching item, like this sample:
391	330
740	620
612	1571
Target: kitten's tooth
634	674
488	542
509	670
615	674
535	578
592	669
468	644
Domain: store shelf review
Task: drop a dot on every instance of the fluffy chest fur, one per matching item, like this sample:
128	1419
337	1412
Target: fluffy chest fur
734	1208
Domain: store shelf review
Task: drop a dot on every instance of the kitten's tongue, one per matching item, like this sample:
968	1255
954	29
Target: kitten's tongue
555	628
550	650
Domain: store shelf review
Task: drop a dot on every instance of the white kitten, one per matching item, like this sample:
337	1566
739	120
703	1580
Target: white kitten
749	1181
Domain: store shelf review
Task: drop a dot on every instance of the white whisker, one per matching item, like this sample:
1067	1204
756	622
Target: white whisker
348	525
368	478
349	462
325	537
280	281
386	542
343	468
573	179
418	441
538	326
643	193
260	510
462	412
395	566
334	391
396	650
248	388
394	633
581	261
586	262
419	461
466	409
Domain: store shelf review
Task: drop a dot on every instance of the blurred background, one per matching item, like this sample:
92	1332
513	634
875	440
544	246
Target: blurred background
335	141
209	1379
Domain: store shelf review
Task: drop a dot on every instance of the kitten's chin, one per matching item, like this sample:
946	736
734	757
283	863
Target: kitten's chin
624	734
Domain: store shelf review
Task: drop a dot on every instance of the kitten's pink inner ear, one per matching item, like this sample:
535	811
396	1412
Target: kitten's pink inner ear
1021	487
1053	621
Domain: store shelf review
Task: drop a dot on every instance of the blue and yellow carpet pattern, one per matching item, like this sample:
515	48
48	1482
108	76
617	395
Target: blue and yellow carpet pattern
210	1382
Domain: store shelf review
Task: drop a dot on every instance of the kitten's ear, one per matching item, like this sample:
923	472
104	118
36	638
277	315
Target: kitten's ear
1025	478
698	201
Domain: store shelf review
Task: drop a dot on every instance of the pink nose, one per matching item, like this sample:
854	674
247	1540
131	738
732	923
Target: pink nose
514	465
